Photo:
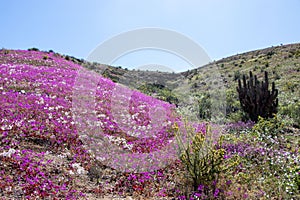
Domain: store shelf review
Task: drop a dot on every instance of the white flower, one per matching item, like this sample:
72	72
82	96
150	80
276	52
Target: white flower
50	115
61	156
6	127
8	153
80	170
100	158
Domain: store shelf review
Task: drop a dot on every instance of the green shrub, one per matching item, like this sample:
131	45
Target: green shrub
232	105
204	106
6	51
270	54
167	95
236	116
267	64
203	158
161	92
67	57
237	75
33	49
256	68
297	54
293	111
267	129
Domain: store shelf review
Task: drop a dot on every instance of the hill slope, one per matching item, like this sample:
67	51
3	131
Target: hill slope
219	77
69	133
57	117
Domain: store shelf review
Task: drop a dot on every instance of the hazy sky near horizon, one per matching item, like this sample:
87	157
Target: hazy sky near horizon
221	27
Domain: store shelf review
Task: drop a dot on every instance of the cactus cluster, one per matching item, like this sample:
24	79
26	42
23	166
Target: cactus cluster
255	97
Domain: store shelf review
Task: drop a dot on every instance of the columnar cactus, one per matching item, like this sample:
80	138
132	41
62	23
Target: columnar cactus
255	97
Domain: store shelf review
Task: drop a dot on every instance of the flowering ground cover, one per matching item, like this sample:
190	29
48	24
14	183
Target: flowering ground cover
60	140
41	148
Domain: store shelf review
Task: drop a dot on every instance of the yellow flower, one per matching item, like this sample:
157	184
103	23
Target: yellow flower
175	127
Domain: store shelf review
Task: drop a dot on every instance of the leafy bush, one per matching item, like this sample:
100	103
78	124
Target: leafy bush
168	96
269	127
237	75
232	103
33	49
203	158
161	92
293	111
204	106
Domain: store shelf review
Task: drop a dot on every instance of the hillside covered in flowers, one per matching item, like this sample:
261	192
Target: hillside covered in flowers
69	133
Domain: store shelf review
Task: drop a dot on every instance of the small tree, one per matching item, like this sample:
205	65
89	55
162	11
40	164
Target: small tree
255	97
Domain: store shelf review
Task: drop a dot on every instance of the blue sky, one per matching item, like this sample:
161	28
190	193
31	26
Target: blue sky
221	27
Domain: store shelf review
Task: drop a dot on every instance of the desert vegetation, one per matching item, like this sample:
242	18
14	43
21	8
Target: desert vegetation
59	140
